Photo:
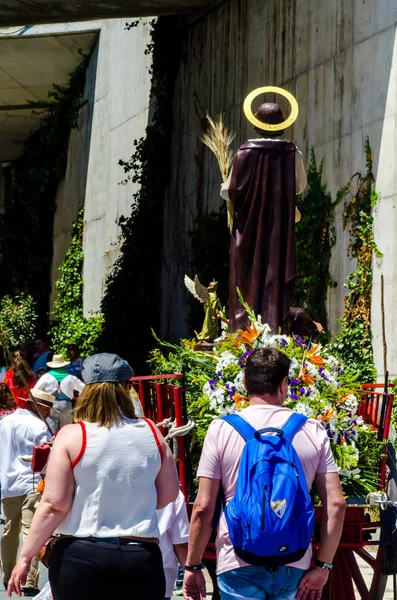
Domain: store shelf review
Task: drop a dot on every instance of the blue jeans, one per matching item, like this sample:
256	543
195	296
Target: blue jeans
258	582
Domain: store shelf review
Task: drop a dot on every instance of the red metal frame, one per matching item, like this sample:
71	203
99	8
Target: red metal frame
161	400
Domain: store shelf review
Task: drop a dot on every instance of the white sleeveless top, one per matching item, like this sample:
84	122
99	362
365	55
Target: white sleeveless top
115	476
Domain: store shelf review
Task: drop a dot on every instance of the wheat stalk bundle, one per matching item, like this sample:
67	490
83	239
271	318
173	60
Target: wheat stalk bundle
219	139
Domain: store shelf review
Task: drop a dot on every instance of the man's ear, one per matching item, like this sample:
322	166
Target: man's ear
284	386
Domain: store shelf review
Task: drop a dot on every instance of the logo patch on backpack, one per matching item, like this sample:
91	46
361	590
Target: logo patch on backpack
279	507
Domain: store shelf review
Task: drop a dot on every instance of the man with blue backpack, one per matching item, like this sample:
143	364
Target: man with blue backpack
263	462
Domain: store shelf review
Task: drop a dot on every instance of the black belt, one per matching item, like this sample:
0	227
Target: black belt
117	541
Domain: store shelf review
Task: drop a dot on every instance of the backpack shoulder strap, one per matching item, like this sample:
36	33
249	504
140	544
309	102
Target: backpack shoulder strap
241	425
292	426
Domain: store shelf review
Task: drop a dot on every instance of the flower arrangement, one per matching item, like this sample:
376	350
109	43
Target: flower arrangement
320	387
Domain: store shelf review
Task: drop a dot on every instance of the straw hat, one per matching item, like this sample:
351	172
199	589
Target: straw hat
41	398
58	362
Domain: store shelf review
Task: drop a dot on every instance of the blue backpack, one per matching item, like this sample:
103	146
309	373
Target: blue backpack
271	516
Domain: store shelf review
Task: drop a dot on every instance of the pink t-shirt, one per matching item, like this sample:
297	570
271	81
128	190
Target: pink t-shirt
221	456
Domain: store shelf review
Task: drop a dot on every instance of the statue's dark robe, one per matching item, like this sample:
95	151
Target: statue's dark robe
262	253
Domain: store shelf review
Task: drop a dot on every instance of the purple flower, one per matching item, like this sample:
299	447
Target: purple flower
302	390
243	358
294	396
283	342
294	381
212	383
219	373
307	394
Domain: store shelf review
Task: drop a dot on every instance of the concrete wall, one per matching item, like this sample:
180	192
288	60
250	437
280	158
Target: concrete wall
120	115
114	113
339	58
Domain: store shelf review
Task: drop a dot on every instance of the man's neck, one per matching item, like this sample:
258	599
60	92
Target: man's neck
266	399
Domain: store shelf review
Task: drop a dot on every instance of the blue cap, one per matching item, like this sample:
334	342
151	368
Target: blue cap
105	367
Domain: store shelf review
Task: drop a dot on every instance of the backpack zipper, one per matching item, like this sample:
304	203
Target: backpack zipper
263	507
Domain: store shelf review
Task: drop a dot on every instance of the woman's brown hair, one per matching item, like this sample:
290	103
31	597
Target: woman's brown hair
21	368
6	398
104	403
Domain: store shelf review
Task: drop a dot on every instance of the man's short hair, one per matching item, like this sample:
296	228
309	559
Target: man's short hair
265	369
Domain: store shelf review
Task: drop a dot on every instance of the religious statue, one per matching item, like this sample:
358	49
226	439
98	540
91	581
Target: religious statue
209	297
266	175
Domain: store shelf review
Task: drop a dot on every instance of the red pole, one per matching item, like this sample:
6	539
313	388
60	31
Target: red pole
177	397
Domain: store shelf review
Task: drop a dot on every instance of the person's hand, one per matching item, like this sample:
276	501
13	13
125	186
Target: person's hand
312	583
194	585
18	577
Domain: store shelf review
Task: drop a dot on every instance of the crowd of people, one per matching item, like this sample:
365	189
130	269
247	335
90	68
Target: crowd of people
110	514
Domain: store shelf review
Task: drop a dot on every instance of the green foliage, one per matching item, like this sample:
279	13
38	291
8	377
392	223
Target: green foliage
70	325
354	344
26	227
17	320
131	303
315	238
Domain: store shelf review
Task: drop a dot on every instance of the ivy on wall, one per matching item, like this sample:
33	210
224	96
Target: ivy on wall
315	238
69	324
354	343
27	224
131	303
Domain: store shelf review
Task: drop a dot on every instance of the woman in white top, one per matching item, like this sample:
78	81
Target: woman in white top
106	477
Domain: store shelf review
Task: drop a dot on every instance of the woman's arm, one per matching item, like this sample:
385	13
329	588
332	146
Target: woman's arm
57	497
54	506
167	480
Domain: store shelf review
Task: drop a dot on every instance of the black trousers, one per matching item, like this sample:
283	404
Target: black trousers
81	569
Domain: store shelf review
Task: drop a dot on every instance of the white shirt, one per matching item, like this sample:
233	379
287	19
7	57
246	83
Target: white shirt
115	482
174	529
300	173
19	432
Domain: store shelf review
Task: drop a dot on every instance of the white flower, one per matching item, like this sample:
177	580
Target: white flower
293	368
225	360
239	383
351	403
303	409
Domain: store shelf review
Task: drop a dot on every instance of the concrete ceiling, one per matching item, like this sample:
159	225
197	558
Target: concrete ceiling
30	12
28	68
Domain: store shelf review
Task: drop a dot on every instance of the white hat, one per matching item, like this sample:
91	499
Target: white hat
58	362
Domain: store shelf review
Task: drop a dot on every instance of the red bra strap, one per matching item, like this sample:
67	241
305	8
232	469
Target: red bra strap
155	435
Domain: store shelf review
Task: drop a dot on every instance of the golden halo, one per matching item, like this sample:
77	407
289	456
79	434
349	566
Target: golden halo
267	126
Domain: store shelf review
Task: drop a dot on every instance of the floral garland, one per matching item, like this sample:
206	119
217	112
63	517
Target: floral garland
319	387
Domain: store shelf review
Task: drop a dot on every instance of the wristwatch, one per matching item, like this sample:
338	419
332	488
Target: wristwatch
324	565
194	567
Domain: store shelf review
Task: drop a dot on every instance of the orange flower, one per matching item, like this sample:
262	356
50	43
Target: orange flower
314	358
328	415
241	401
235	342
306	378
249	336
189	344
